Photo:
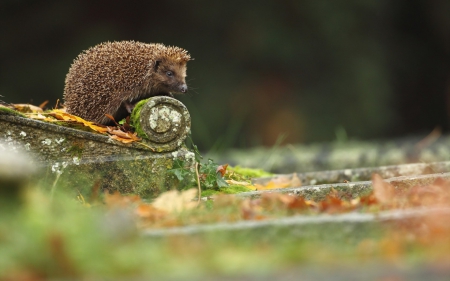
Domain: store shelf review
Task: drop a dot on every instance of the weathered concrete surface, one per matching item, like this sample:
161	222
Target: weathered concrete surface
351	224
84	160
348	190
339	155
364	174
304	225
351	183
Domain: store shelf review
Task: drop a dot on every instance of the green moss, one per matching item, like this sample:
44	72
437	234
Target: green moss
248	172
135	119
9	111
232	189
76	150
209	192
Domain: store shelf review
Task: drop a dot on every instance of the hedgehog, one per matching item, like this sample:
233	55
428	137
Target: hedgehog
110	78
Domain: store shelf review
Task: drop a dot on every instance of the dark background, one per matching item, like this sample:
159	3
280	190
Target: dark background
266	70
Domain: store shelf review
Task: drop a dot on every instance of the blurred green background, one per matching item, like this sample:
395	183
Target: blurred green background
264	70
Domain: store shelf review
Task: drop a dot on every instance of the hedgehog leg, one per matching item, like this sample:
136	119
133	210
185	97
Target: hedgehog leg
129	106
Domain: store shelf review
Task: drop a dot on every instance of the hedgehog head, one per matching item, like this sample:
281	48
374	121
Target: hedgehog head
170	69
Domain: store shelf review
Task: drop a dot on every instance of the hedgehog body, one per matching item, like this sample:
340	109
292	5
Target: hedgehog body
110	77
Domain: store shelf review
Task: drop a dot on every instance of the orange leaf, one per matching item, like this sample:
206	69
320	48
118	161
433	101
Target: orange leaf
281	182
111	118
273	184
332	205
149	212
118	200
298	203
42	105
62	115
222	169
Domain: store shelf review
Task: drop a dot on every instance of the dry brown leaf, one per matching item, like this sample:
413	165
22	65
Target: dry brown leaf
120	133
118	200
222	169
125	140
295	181
39	116
42	105
122	139
125	137
109	116
333	204
277	183
149	213
243	183
176	201
251	209
384	192
273	201
27	108
281	182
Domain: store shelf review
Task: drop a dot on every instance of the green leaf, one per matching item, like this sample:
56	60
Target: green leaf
179	169
220	181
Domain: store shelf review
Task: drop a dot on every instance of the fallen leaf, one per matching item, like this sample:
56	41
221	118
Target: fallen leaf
281	182
295	181
251	209
62	115
118	200
299	203
39	116
222	169
27	108
273	201
111	118
384	192
273	185
331	205
243	183
176	201
125	140
149	212
125	137
42	105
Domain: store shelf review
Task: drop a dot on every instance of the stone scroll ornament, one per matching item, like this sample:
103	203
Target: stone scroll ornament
162	121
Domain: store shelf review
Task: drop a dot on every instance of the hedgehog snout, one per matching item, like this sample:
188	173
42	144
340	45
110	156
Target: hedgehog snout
183	88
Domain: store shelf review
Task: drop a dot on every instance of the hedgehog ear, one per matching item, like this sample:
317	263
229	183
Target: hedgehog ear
156	65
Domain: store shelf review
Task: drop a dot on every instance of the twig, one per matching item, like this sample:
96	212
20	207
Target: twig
57	103
198	184
54	186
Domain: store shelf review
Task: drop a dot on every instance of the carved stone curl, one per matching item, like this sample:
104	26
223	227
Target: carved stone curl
163	121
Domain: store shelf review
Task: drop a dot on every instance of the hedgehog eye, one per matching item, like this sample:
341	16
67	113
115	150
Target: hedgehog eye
169	73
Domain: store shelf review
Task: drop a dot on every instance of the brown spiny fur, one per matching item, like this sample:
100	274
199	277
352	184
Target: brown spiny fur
108	77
